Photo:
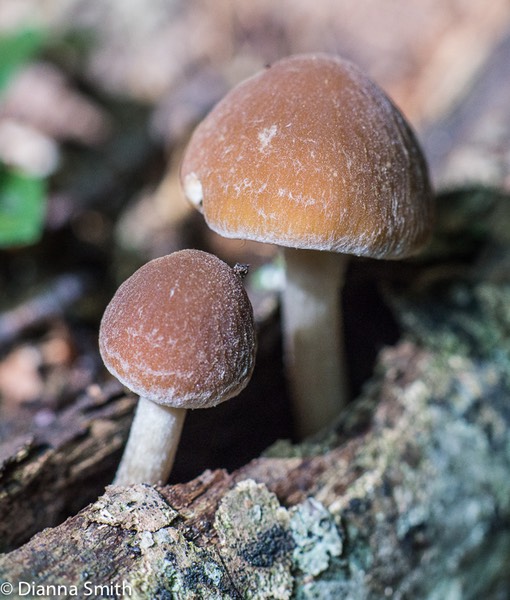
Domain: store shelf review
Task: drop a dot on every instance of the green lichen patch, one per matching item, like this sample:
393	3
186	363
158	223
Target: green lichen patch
316	536
172	567
254	536
278	551
318	566
138	507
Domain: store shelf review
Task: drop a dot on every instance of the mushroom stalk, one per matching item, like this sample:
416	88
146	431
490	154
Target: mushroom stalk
150	451
313	337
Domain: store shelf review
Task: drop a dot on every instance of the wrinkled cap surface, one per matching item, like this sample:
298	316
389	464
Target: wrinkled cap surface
180	331
310	153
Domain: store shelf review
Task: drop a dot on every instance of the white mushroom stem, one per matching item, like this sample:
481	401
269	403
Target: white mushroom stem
150	450
313	337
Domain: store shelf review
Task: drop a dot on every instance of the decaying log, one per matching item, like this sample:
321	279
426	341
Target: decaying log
408	496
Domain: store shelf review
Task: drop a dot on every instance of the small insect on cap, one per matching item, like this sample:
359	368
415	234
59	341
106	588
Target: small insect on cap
180	331
310	153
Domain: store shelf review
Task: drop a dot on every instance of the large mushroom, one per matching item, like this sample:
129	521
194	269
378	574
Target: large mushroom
311	155
180	333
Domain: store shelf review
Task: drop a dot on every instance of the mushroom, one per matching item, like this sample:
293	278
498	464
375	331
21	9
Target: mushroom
179	333
311	155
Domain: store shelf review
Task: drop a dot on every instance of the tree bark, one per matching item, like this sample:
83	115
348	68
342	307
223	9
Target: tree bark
53	471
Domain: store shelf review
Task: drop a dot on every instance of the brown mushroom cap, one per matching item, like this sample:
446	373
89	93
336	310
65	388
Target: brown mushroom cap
310	153
180	331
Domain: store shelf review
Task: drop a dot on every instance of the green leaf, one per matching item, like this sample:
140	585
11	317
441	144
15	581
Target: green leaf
22	208
16	49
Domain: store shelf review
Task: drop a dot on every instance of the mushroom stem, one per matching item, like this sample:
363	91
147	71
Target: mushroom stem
313	337
152	444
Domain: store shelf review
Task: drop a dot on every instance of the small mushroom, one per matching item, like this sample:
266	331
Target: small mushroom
179	333
311	155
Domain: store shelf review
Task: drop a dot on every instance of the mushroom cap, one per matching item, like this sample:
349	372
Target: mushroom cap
180	331
310	153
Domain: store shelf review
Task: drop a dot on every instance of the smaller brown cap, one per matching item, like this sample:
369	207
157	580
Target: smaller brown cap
180	331
311	154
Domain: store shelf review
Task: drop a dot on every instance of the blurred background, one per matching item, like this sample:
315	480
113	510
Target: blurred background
97	101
